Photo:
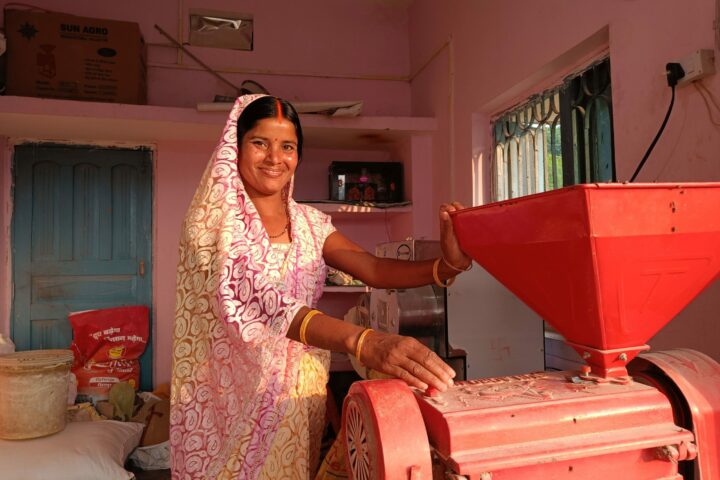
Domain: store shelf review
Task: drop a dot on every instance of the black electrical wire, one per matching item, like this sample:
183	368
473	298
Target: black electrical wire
652	145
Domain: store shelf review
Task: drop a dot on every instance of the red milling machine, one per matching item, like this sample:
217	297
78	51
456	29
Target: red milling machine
607	265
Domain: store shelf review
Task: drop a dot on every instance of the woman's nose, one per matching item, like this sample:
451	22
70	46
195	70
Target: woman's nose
274	153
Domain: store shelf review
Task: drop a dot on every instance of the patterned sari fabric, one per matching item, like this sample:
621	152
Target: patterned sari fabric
237	382
295	452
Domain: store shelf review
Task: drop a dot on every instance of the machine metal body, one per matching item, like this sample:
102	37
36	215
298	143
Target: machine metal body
415	312
608	266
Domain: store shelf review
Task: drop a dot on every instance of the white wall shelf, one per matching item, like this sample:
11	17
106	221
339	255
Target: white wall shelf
51	119
343	208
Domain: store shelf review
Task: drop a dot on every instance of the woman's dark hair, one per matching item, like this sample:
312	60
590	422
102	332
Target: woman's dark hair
267	107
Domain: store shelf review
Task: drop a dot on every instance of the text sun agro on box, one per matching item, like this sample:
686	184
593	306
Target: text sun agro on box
56	55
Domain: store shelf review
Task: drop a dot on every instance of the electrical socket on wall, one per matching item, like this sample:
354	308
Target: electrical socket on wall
699	64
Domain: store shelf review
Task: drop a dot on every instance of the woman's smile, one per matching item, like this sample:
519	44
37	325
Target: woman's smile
272	172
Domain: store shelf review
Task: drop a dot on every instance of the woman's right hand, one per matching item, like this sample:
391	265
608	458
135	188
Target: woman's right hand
452	253
407	359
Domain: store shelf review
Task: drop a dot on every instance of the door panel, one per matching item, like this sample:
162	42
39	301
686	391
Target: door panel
81	230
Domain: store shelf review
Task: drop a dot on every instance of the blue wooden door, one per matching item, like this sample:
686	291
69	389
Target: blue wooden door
81	239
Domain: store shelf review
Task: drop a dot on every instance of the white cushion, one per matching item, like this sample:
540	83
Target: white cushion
82	451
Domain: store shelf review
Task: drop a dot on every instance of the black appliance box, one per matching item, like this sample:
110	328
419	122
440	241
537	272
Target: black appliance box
374	182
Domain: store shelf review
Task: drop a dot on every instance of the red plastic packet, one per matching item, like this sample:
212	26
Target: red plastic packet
107	344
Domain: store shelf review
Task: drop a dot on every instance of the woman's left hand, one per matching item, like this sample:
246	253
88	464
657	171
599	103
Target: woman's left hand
451	250
407	359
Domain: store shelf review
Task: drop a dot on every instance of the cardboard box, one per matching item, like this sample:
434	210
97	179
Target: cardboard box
55	55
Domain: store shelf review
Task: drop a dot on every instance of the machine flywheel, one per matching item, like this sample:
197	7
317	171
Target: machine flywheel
385	434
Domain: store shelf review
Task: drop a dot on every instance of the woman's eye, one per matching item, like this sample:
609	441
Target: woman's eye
259	144
289	148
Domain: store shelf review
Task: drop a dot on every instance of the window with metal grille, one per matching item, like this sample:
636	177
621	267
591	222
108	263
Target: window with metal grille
558	138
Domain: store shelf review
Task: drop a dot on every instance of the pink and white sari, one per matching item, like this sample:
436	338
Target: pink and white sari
246	400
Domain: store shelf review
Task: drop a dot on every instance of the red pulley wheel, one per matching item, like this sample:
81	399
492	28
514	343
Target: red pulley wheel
385	434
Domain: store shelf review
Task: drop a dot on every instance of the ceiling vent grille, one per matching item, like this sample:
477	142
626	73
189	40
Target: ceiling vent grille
221	29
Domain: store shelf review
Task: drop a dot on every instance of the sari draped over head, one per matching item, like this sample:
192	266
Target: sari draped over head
234	369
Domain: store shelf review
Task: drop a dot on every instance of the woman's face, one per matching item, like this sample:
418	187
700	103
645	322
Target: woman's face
268	156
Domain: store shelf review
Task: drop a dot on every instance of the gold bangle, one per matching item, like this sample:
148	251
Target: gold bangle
359	345
439	282
305	322
454	267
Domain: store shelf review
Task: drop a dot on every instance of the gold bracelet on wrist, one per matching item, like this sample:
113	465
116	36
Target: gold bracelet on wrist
304	324
454	267
359	345
439	282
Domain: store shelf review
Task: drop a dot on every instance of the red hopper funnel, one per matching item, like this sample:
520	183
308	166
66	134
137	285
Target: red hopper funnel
608	265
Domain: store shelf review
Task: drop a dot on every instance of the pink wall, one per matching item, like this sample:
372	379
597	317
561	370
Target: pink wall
499	55
5	214
178	168
301	50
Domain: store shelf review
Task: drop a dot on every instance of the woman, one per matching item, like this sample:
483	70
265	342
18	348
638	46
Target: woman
251	357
